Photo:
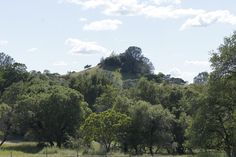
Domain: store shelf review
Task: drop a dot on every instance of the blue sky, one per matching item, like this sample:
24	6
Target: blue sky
64	35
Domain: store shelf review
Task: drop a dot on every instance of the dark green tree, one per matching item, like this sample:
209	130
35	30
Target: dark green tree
6	122
213	124
131	61
10	71
201	78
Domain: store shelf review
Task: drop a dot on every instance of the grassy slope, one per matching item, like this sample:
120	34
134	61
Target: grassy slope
29	149
92	70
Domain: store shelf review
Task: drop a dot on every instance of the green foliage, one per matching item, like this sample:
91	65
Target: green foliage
201	78
48	112
122	104
107	99
162	78
105	127
213	124
6	122
131	61
223	61
63	106
150	127
148	91
93	84
10	71
75	143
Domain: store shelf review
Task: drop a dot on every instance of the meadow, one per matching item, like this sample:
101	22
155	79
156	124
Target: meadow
30	149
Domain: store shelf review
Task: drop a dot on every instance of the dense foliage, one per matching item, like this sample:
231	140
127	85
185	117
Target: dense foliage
122	105
131	61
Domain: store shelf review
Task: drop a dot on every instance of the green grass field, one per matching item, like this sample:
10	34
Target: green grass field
29	149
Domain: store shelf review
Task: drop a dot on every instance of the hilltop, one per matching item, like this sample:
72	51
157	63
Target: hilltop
132	65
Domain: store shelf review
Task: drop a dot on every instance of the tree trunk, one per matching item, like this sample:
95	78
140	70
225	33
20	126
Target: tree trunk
107	146
157	149
77	153
190	151
168	151
125	147
136	150
51	143
150	150
59	143
228	152
180	149
3	140
234	151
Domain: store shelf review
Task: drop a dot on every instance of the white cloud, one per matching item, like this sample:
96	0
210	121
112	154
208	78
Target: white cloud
60	63
160	2
102	25
110	7
83	19
208	18
3	42
134	7
197	63
123	7
34	49
83	47
169	12
162	9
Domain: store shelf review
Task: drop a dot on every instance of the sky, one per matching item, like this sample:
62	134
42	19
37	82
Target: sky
65	35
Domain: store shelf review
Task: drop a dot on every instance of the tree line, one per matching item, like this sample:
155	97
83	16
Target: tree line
122	105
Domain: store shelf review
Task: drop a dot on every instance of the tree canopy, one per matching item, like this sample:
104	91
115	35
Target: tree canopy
131	61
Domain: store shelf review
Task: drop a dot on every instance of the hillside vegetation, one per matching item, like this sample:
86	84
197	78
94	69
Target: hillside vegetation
121	105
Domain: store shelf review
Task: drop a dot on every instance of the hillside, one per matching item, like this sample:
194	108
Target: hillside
132	65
